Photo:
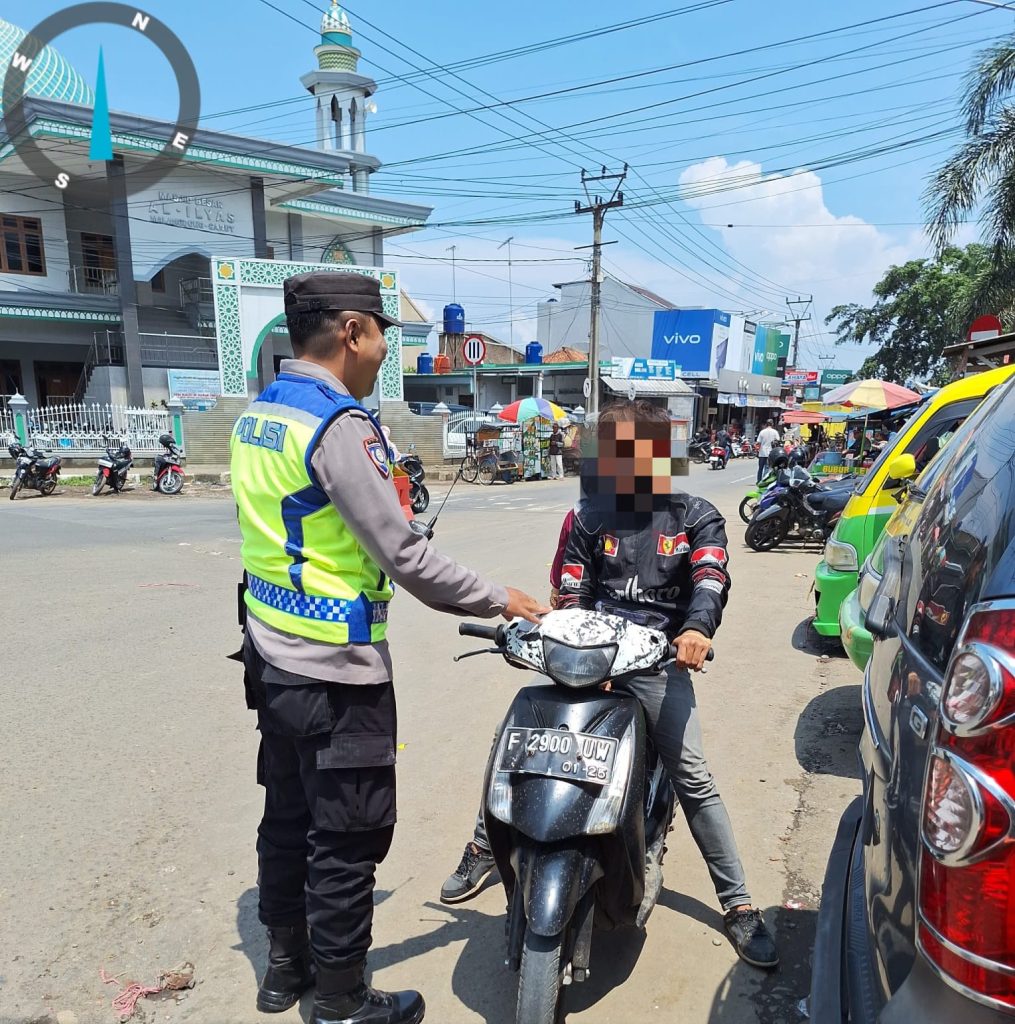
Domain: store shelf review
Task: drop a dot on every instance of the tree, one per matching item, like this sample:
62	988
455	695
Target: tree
919	308
981	173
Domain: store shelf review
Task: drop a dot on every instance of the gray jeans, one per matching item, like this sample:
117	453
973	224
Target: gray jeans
671	715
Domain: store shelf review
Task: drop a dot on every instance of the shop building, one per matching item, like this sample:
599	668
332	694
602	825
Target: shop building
105	289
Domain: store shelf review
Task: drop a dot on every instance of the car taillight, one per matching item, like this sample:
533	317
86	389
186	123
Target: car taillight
967	866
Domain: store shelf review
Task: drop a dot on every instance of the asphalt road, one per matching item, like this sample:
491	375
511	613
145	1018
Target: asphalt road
129	805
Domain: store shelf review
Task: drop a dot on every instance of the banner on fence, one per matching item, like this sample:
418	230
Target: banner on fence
197	389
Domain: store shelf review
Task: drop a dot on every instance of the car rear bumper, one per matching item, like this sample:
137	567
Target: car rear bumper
831	588
855	637
844	984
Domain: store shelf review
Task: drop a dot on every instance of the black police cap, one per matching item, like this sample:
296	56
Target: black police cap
336	291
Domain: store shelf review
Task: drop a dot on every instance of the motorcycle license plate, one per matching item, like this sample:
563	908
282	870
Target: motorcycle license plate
559	754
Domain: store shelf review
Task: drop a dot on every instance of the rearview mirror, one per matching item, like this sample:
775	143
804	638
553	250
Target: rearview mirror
902	467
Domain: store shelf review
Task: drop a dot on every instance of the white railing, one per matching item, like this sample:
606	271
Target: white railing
82	431
95	280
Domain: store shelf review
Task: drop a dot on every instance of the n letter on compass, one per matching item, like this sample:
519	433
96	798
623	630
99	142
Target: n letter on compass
140	21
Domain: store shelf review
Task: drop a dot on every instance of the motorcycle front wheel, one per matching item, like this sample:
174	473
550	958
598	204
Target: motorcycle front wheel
97	486
540	980
767	534
171	482
15	487
420	500
747	507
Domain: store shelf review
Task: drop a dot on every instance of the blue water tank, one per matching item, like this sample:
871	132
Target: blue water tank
533	352
424	363
454	319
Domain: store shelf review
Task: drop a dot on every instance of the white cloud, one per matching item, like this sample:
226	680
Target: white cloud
782	228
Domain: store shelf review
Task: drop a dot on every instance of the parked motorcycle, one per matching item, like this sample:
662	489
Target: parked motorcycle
167	474
113	470
718	457
419	496
750	501
800	507
700	450
577	803
33	468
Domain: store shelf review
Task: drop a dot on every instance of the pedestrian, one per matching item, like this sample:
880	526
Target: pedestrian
768	437
556	452
392	447
633	547
324	538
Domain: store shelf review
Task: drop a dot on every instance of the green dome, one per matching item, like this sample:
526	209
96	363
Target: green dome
50	76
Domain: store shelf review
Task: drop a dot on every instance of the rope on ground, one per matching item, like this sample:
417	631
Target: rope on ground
126	1000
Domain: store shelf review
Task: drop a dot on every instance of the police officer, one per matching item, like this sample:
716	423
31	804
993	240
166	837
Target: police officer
324	540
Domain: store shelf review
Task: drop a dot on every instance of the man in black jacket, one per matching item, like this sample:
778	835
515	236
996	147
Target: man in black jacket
640	549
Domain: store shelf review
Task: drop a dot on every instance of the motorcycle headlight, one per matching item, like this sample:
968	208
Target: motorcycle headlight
578	666
840	556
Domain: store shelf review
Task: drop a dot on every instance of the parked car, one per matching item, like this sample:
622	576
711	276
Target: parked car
856	637
873	501
917	919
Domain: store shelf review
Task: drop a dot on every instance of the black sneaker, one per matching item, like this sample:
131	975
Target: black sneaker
469	876
751	938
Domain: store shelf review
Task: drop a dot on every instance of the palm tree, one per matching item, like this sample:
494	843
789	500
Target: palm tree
981	174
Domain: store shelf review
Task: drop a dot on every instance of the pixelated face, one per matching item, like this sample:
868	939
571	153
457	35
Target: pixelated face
635	459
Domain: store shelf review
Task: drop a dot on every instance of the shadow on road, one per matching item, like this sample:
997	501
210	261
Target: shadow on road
741	999
827	733
807	639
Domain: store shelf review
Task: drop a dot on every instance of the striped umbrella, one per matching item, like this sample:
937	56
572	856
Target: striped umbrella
531	408
871	394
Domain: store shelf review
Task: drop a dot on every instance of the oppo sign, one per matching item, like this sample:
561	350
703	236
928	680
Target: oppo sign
688	336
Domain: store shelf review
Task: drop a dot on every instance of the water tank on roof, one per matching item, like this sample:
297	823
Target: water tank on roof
454	319
424	363
533	352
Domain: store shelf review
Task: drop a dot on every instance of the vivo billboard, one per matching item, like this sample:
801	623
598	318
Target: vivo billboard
691	338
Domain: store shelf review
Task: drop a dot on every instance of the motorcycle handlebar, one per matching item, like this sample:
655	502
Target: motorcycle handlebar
710	656
483	632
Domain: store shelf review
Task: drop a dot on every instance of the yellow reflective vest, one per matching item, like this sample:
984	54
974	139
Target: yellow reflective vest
307	574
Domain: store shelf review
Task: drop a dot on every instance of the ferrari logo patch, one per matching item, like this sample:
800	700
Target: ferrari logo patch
669	546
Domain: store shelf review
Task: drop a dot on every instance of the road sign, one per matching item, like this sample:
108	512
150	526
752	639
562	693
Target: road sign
587	387
474	350
984	327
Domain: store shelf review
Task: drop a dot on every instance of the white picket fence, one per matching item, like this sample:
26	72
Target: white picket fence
84	431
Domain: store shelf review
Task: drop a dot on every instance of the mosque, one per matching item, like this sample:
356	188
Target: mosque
108	286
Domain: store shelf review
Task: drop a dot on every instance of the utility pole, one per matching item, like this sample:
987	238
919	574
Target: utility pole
511	293
597	206
454	287
798	318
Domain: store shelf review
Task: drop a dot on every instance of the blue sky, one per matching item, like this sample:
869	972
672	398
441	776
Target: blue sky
742	121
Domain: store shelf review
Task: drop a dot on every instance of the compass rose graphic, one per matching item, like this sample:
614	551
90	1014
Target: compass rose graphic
146	166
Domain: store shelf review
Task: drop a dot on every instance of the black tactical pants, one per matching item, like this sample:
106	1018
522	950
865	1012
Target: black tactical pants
327	764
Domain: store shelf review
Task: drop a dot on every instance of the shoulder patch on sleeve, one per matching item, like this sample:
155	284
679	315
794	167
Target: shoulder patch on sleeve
378	456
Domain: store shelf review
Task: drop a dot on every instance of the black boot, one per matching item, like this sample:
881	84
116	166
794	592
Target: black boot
290	969
338	1002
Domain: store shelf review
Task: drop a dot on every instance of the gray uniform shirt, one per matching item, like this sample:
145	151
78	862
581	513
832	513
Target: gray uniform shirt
368	503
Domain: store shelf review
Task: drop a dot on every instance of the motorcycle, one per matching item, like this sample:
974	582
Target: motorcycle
718	457
577	803
33	469
419	496
797	506
113	470
167	474
749	504
700	449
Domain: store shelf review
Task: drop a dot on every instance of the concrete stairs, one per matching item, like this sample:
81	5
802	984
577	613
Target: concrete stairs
425	432
206	434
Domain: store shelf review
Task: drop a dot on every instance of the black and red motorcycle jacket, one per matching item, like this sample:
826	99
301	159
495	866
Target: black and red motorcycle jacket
675	565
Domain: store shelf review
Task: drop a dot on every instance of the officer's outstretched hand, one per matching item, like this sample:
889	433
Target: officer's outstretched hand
521	606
